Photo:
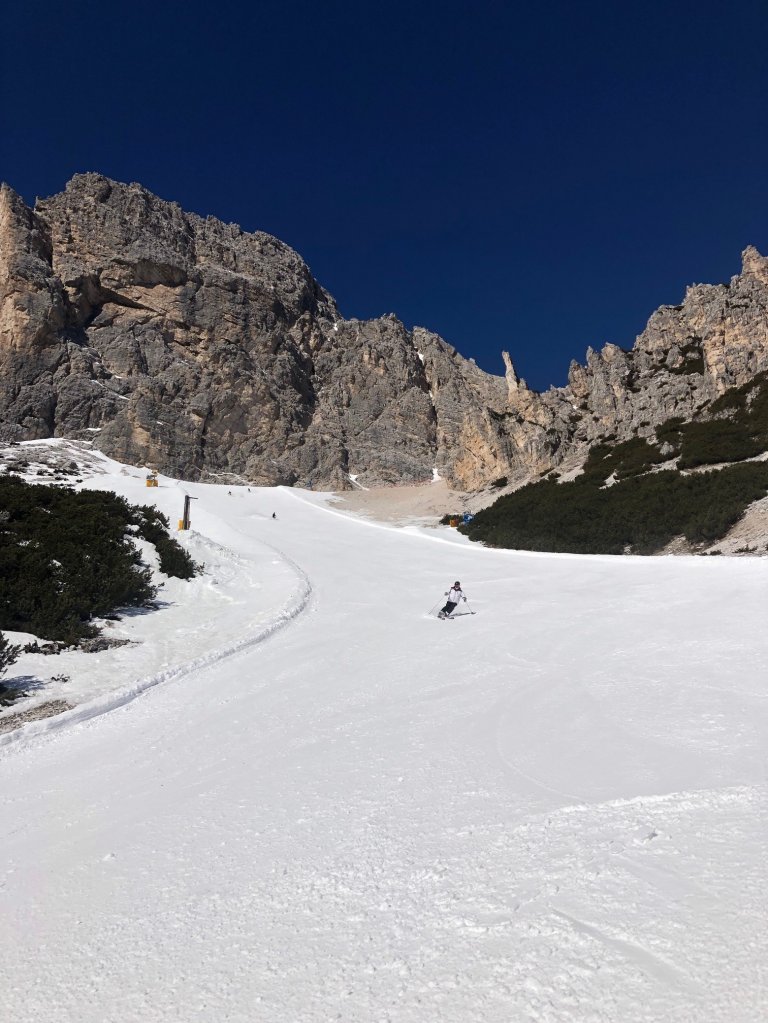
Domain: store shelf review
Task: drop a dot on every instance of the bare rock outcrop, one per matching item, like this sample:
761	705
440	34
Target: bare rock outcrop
185	343
686	357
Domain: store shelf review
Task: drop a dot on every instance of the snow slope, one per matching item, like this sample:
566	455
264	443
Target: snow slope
303	799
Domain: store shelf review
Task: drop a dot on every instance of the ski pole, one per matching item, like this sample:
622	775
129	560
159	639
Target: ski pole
433	609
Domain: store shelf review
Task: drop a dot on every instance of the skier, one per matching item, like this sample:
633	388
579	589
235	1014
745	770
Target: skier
274	516
454	595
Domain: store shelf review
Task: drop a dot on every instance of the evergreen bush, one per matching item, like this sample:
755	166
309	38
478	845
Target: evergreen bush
736	428
639	514
693	358
630	458
619	505
66	557
174	560
9	653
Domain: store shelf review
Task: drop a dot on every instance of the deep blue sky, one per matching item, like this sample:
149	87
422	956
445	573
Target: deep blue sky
535	177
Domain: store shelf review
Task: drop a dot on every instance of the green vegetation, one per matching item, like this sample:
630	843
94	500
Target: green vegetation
174	560
9	653
718	440
670	433
639	515
67	557
623	503
737	429
693	358
630	458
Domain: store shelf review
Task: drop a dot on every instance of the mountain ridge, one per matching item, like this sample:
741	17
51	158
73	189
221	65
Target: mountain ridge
182	342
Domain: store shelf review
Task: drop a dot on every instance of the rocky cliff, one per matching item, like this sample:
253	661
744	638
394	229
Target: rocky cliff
190	345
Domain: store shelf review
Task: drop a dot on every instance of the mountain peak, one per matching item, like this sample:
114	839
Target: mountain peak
754	264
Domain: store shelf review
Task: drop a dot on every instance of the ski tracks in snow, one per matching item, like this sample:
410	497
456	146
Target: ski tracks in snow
354	841
463	924
283	616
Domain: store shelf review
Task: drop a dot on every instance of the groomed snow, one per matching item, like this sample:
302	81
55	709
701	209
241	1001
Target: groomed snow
299	798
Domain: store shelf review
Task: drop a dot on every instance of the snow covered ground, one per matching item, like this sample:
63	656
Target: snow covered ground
298	798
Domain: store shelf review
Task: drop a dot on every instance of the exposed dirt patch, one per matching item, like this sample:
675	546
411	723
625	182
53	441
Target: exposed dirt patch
42	710
417	505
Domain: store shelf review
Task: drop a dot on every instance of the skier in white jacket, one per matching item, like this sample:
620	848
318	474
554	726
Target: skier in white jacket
454	595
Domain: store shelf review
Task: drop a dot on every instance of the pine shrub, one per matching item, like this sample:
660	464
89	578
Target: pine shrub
9	653
639	514
174	560
736	428
67	557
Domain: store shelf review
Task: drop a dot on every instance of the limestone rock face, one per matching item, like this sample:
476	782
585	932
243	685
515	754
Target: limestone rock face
187	344
686	356
32	320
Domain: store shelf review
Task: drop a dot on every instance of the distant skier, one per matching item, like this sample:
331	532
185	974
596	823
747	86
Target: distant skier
274	516
454	595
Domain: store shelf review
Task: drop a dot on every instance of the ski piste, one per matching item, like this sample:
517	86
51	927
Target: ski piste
397	776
